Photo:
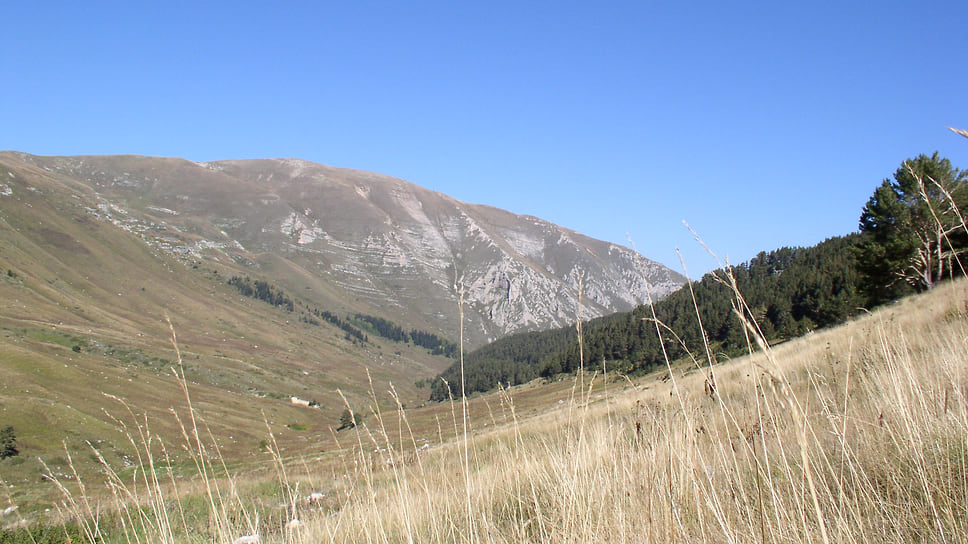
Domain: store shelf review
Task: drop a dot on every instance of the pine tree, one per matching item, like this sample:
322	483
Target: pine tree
8	443
915	234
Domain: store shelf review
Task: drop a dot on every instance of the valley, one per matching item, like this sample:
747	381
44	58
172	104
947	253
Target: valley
174	377
105	261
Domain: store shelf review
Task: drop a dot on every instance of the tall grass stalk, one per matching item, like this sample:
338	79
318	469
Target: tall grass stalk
463	404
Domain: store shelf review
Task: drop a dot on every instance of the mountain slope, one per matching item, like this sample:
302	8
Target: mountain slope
98	253
83	310
368	242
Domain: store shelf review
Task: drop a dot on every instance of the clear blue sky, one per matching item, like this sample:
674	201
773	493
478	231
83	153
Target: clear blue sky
762	124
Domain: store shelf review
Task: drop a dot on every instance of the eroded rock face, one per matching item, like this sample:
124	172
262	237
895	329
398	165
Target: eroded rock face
403	251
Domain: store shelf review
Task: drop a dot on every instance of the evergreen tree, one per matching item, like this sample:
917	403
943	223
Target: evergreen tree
914	232
8	443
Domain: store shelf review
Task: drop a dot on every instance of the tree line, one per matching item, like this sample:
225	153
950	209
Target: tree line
353	326
352	332
262	290
911	235
391	331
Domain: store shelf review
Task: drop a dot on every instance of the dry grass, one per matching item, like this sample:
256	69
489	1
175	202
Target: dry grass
855	434
852	435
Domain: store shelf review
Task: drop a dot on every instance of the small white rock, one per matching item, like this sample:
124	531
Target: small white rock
315	497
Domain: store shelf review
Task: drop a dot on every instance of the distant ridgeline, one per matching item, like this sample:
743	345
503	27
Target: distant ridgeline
355	326
788	292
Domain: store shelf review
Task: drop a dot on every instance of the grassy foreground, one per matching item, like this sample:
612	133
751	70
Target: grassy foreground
854	434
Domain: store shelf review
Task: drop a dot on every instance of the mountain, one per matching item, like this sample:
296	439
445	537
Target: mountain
364	241
279	279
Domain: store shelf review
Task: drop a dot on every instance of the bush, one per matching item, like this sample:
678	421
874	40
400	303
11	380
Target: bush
348	420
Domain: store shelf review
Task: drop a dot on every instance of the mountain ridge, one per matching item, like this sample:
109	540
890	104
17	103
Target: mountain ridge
382	240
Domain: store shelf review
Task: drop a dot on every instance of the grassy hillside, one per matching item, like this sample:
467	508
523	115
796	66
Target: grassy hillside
851	434
855	434
84	325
